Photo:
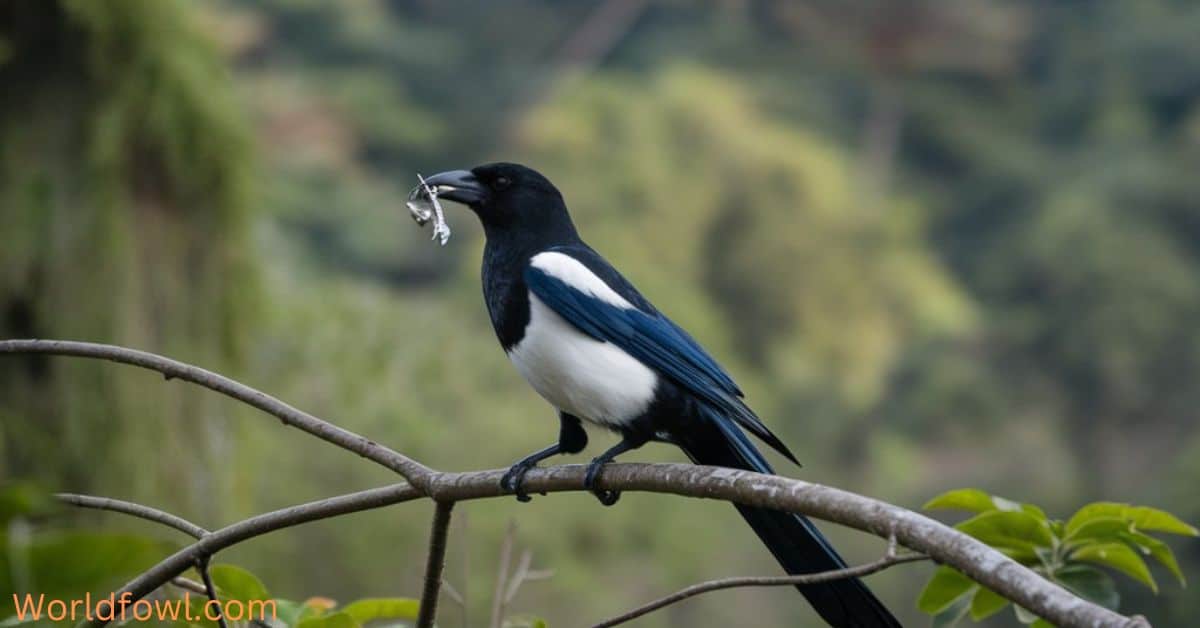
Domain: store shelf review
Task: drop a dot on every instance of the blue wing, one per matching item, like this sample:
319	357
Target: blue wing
644	333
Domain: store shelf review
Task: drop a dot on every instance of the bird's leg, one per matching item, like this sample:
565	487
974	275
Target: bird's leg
606	497
571	440
513	480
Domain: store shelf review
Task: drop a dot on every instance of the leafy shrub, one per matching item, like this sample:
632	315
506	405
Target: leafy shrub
1101	534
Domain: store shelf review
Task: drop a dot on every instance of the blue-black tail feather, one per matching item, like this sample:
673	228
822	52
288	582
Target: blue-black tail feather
793	539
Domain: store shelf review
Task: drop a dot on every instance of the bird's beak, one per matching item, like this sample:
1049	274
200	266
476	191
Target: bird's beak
457	185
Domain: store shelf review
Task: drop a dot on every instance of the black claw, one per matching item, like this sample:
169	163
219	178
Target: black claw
606	497
593	470
514	481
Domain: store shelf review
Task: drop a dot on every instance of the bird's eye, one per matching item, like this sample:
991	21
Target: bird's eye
501	182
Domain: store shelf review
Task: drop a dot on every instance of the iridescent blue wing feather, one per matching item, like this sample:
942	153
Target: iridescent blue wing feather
646	334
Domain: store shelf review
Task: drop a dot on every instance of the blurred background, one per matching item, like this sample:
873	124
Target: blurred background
940	244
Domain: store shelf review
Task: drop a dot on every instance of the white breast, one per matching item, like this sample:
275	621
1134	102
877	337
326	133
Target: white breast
578	374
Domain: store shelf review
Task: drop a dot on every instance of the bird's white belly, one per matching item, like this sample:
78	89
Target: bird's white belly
578	374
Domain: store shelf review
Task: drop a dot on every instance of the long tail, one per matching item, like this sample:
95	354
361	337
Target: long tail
793	539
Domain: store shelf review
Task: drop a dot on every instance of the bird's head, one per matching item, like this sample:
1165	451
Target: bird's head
505	196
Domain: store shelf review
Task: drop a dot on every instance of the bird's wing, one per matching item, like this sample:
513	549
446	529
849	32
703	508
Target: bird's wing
625	319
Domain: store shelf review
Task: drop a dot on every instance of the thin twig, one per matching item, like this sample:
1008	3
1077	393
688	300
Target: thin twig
973	558
452	593
434	564
539	574
413	471
136	510
189	585
506	546
888	560
518	577
210	589
158	516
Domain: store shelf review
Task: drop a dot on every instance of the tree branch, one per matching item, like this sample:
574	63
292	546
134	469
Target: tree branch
912	530
411	470
157	516
889	559
136	510
217	540
946	545
434	564
210	589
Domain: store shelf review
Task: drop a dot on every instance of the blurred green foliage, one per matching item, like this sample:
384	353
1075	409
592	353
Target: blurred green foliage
124	197
41	556
937	243
1107	534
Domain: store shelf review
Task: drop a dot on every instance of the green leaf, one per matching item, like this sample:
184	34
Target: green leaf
288	611
1147	518
1159	550
1095	510
1143	517
1041	623
237	583
1024	616
986	603
1013	530
1099	529
1091	584
196	610
1035	511
1119	557
946	586
369	609
291	613
971	499
332	620
953	613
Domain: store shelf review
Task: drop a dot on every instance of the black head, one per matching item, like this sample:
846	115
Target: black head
506	197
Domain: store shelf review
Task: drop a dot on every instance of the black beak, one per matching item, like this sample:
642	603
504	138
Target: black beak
458	185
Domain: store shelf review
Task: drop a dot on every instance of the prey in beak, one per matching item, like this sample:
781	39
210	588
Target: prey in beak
456	185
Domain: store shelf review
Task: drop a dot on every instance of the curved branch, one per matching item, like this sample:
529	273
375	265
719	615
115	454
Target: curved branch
888	560
914	531
413	471
157	516
217	540
136	510
976	560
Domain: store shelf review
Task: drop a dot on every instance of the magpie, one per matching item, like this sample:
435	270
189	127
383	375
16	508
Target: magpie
590	344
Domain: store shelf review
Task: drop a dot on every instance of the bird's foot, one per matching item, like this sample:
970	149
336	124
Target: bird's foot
514	480
606	497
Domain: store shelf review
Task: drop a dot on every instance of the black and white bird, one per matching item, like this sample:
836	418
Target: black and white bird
590	344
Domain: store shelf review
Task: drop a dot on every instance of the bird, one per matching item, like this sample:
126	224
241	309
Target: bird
600	353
